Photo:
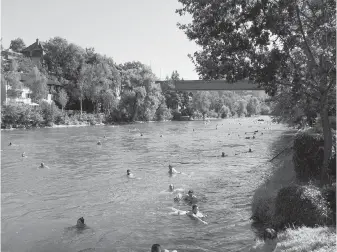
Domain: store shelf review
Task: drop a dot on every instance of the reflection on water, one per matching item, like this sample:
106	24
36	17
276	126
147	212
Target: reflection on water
89	180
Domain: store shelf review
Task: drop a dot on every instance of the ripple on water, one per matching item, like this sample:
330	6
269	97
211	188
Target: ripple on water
128	214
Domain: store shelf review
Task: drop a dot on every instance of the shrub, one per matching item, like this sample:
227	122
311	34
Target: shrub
300	205
265	110
163	113
308	155
176	115
50	113
225	112
212	114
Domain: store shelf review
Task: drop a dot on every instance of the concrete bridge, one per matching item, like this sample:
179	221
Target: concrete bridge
189	85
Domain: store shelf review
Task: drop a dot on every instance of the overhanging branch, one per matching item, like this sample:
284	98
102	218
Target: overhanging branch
304	38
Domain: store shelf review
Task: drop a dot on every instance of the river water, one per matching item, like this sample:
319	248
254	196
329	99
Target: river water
89	180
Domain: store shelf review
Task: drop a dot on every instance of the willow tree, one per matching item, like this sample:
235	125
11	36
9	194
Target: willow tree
287	45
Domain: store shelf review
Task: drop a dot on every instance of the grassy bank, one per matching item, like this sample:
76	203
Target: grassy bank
295	207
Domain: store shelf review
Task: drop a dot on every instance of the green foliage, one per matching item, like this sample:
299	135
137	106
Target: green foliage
253	106
17	45
63	98
300	205
265	110
17	114
308	156
50	113
225	112
241	108
38	85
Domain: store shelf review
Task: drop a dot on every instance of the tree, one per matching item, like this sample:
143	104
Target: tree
202	102
63	98
253	106
17	45
38	85
274	43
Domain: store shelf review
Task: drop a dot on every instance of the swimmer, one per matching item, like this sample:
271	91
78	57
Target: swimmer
157	248
43	166
104	136
141	134
250	150
194	213
190	197
129	174
23	155
253	137
172	170
247	137
223	154
99	143
80	223
161	135
171	188
10	144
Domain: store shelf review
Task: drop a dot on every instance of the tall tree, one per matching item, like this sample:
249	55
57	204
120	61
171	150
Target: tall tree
38	85
63	98
274	43
17	45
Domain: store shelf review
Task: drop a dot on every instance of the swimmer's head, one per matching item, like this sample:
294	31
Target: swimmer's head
128	172
42	164
171	187
156	248
170	167
195	209
190	192
223	154
80	222
250	150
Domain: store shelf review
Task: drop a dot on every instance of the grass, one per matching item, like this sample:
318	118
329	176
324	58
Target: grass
301	240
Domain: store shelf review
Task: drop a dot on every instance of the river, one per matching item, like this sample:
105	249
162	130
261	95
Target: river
89	180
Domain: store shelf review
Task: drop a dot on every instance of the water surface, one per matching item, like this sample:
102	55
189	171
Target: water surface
89	180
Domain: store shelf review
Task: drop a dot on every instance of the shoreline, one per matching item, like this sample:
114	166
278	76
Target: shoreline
126	123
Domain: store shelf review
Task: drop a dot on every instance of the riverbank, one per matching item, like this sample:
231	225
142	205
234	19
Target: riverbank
281	194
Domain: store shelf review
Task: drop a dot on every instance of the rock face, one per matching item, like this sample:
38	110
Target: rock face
300	205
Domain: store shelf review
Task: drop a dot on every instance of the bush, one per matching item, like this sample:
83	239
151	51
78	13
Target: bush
308	155
50	113
20	115
176	115
265	110
300	205
225	112
163	113
212	114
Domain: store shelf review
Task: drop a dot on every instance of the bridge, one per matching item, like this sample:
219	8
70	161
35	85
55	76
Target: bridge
188	85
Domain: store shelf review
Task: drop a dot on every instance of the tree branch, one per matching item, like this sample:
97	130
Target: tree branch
305	40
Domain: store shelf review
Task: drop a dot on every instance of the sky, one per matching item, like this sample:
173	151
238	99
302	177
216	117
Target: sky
126	30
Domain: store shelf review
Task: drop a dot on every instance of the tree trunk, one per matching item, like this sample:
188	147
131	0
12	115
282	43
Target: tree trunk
324	113
81	106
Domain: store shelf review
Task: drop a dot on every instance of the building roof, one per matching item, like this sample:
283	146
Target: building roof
35	46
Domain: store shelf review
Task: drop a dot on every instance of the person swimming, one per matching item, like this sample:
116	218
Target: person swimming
10	144
80	223
194	213
250	150
129	174
99	143
23	155
190	197
172	170
223	154
171	188
42	165
157	248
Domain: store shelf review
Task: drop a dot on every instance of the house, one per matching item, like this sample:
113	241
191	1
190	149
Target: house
34	52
